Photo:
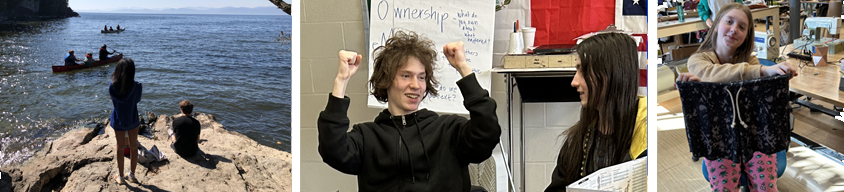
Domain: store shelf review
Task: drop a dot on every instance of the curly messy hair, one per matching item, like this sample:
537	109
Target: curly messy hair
393	55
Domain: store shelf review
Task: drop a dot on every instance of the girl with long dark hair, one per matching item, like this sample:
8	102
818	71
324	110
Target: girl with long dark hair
613	119
125	94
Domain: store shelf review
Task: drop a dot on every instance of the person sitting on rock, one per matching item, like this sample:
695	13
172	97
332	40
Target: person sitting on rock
185	133
70	59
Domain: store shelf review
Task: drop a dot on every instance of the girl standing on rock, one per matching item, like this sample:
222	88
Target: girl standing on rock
407	148
125	94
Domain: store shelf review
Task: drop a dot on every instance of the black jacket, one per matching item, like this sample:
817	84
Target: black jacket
104	54
421	151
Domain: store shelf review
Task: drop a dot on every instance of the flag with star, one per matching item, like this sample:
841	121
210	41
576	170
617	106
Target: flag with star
633	16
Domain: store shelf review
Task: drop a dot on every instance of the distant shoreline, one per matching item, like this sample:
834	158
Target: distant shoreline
282	13
264	10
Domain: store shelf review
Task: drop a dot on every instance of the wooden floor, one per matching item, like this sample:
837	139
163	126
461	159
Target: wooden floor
677	172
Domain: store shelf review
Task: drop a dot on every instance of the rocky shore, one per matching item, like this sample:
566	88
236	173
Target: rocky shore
84	160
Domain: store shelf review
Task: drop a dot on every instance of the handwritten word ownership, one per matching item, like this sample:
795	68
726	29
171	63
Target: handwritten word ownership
411	13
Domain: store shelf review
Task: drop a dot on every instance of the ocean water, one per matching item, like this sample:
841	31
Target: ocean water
229	66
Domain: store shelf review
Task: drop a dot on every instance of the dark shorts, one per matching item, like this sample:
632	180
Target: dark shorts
186	156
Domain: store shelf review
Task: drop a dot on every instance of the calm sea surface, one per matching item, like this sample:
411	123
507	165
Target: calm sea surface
227	65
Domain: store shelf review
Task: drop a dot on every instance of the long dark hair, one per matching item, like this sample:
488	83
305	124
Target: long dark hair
609	64
743	52
123	78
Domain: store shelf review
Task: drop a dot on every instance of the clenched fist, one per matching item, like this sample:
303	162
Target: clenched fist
349	62
348	65
456	56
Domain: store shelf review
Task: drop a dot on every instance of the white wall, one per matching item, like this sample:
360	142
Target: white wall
329	26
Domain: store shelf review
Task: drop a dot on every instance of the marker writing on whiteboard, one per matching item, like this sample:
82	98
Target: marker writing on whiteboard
428	13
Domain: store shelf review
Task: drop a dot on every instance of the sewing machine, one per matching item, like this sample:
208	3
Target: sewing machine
813	34
766	46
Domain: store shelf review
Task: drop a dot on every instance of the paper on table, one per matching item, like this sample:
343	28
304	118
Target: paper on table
628	176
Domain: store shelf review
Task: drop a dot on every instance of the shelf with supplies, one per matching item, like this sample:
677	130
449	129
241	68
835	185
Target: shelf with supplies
531	61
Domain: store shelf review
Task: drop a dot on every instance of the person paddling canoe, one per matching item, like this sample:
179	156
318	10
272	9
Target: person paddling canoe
70	59
104	52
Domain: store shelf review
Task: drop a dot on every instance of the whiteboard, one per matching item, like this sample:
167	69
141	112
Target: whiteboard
442	21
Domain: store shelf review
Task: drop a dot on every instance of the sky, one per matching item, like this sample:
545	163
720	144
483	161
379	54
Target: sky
164	4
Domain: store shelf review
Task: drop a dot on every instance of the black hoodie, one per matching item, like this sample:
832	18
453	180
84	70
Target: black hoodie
440	147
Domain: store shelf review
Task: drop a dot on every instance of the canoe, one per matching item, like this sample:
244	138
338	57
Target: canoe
115	31
62	68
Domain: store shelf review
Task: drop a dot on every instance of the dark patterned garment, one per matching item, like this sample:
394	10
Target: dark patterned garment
734	119
601	152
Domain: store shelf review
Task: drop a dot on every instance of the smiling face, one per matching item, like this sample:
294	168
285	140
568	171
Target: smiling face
408	88
580	83
732	30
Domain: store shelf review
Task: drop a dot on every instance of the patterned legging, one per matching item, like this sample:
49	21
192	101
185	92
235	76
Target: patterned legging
724	174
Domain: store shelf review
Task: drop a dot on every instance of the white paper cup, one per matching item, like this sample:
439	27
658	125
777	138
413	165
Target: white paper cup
528	33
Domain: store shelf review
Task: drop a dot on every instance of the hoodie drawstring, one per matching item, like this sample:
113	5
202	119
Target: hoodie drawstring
734	102
422	140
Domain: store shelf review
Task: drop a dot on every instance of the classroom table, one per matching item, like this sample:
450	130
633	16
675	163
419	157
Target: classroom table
819	82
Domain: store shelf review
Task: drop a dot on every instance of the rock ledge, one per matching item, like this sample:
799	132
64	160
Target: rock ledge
82	160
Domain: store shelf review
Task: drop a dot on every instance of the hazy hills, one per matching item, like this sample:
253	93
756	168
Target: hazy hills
269	10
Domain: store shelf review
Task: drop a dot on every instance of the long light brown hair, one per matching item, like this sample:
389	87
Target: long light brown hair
743	52
610	68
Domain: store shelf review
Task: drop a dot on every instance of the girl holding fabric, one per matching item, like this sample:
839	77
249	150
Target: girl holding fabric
725	55
613	119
